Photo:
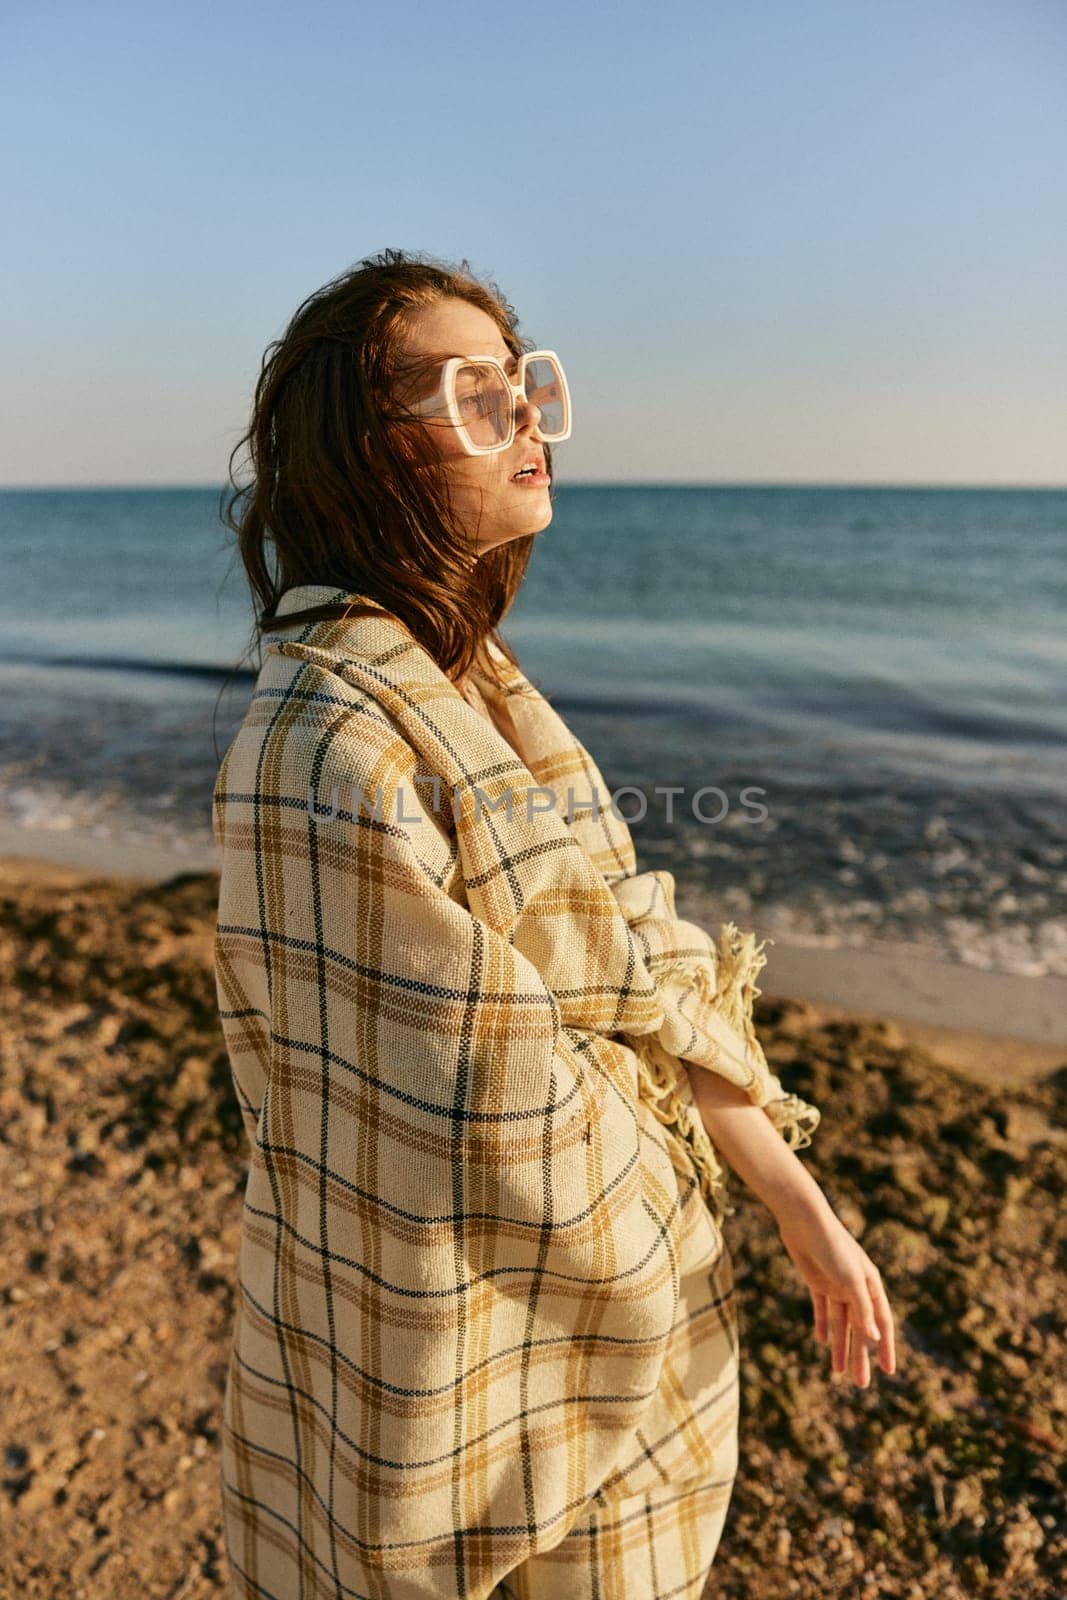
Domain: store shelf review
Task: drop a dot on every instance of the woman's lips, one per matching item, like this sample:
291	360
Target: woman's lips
533	480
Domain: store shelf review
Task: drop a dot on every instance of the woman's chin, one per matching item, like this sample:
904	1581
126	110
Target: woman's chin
532	520
524	530
539	514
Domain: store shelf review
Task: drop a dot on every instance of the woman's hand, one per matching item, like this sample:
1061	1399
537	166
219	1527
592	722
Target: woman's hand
846	1290
849	1301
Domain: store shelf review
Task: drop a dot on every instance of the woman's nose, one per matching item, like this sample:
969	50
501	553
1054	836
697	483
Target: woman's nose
528	411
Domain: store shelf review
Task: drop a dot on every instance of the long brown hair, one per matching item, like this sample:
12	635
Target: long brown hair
337	497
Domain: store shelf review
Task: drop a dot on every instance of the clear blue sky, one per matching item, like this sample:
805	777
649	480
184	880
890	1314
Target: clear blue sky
773	242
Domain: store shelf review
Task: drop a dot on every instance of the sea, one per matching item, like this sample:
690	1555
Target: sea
837	713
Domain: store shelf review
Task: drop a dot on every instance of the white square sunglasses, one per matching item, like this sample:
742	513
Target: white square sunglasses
479	398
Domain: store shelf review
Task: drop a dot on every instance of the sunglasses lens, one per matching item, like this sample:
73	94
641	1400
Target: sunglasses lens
544	389
484	404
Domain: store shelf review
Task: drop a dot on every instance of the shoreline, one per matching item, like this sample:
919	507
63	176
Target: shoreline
996	1028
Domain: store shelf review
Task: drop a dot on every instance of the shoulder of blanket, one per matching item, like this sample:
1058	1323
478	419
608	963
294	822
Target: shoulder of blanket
313	740
309	706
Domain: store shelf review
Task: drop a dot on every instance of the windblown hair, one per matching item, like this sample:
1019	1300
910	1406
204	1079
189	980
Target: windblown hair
337	496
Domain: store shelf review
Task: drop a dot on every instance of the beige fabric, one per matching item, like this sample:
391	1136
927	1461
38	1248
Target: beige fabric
484	1294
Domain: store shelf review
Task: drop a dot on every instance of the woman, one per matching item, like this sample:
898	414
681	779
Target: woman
485	1341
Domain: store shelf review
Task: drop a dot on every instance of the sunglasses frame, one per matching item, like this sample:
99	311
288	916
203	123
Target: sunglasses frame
443	400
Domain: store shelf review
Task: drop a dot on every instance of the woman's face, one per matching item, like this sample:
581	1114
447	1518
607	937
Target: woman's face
494	506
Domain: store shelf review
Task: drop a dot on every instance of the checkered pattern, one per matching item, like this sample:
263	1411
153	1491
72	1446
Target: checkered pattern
485	1340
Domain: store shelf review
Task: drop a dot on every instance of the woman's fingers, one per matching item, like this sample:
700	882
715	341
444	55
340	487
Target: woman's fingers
862	1309
871	1322
887	1348
822	1325
848	1324
850	1343
849	1303
838	1335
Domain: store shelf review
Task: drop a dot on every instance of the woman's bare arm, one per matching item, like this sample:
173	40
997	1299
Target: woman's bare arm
848	1299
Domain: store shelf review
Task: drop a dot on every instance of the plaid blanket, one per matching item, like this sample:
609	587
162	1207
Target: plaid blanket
478	1183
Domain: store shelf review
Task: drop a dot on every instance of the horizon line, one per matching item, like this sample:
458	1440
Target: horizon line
584	483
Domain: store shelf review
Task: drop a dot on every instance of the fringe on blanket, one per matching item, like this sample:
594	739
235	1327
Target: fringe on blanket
687	1138
739	961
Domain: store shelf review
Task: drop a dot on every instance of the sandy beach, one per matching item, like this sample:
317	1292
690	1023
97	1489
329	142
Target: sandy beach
942	1145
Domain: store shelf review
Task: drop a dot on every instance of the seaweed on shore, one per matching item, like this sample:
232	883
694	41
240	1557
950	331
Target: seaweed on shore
122	1153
